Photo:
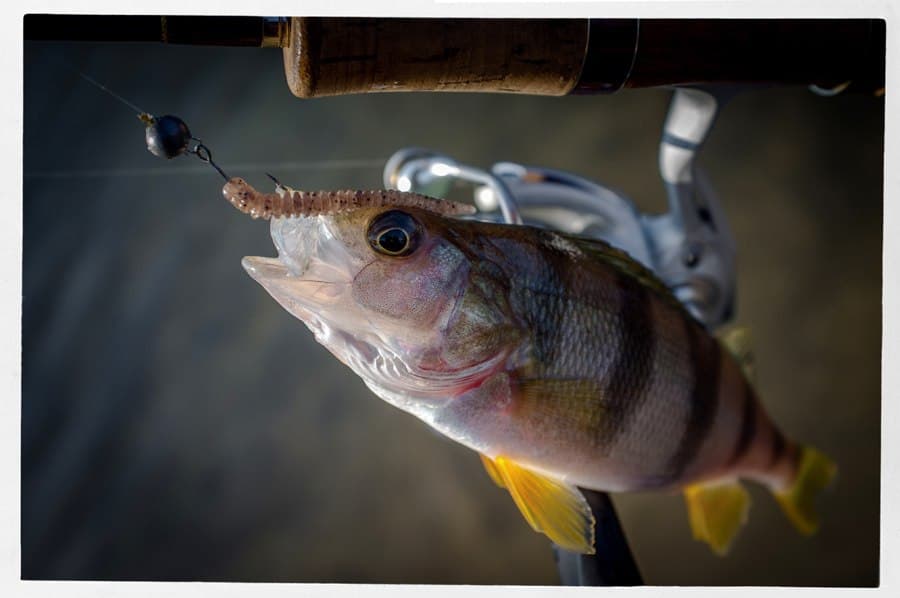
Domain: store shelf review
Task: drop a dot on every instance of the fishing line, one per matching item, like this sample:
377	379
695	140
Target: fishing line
71	67
93	81
349	164
169	136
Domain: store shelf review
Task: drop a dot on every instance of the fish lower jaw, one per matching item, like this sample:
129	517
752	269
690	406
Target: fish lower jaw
424	407
414	390
385	373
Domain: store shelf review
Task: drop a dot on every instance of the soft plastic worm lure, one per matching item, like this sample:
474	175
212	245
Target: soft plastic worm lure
168	136
286	202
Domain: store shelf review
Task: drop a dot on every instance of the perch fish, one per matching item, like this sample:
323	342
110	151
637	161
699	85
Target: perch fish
562	361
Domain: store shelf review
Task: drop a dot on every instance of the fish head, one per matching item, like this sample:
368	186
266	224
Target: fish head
394	293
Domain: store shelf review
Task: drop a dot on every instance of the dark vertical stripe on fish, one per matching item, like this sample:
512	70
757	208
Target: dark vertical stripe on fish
778	446
548	304
748	426
705	357
631	371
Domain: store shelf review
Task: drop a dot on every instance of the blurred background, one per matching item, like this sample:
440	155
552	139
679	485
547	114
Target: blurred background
177	424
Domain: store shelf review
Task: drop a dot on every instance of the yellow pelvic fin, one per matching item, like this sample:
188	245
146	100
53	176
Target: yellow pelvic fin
716	512
553	508
815	473
492	470
738	343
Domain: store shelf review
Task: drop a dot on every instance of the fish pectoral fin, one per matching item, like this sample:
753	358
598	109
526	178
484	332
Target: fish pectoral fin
554	508
815	473
716	512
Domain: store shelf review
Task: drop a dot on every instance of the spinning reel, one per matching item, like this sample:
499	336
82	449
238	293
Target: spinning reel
690	247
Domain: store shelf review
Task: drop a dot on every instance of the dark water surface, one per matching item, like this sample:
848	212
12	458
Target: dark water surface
179	425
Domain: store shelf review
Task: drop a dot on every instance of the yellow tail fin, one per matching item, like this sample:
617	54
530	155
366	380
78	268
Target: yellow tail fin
815	473
716	512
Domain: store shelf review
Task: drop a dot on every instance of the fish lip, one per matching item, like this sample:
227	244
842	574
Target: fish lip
267	270
264	268
271	274
315	292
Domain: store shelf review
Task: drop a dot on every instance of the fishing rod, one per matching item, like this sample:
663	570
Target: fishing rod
690	246
326	56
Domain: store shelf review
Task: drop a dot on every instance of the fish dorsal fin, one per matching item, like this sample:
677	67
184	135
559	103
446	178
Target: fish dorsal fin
739	343
627	265
716	512
556	509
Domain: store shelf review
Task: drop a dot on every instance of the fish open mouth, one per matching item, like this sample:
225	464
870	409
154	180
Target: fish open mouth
300	295
313	279
312	270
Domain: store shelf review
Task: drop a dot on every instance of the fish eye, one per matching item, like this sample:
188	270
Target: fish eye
394	233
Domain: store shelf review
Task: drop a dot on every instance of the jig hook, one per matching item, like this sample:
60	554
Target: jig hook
202	152
278	184
168	137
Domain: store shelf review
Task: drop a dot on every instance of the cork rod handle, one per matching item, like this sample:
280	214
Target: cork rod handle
334	56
